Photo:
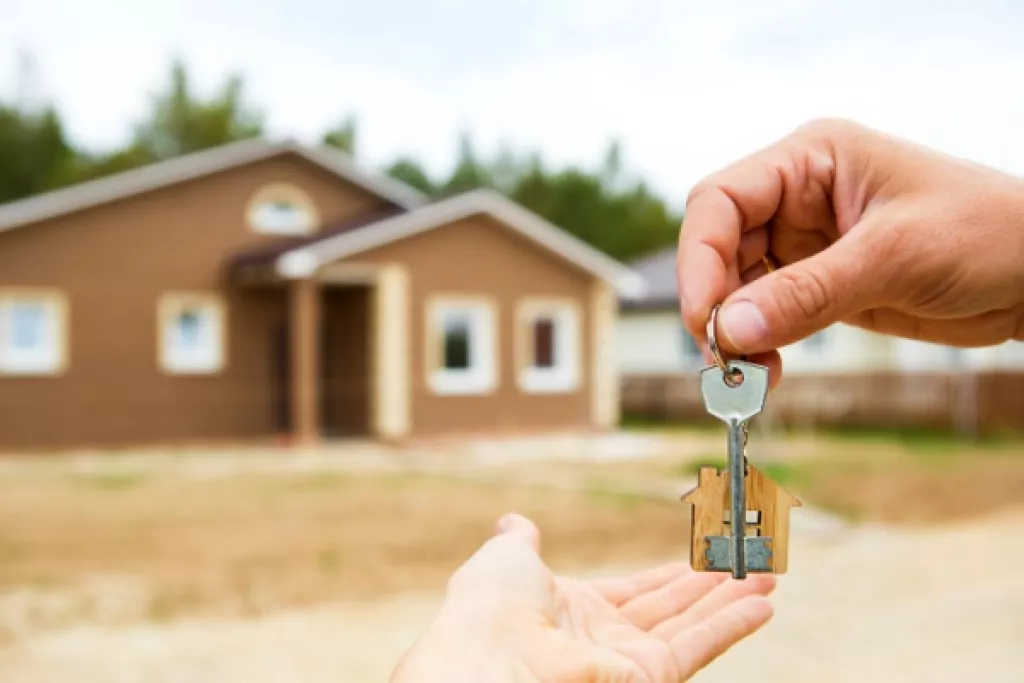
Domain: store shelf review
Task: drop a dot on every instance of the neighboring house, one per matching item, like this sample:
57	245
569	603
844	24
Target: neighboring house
914	356
651	337
263	288
652	340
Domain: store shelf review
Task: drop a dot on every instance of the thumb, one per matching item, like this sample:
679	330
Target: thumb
506	568
794	302
521	528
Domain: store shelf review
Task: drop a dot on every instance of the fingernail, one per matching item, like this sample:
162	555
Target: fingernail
743	325
504	523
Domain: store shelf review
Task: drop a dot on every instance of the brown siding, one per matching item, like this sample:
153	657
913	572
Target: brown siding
113	262
480	256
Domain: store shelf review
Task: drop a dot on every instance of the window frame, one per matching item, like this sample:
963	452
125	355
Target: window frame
56	305
566	376
169	307
480	380
275	192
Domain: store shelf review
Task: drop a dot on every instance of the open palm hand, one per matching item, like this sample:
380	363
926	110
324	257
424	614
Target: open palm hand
507	617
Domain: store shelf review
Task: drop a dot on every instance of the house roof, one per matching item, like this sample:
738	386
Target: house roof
192	166
302	260
658	271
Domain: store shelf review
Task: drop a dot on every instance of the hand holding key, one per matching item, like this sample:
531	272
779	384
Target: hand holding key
868	230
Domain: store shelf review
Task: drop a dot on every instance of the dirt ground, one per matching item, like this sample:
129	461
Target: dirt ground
269	566
907	606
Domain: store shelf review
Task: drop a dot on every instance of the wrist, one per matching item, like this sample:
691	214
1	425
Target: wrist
463	644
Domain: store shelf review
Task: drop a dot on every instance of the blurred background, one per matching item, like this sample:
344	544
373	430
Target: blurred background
188	535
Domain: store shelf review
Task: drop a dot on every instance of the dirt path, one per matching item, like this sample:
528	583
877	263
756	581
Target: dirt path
875	604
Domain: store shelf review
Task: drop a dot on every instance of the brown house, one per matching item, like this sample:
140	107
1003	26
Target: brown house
262	289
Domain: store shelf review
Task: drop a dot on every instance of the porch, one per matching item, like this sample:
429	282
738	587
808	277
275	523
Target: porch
340	354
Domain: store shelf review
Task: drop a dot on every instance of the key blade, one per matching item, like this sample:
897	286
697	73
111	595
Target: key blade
739	403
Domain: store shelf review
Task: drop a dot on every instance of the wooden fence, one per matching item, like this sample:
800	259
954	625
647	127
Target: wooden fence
985	402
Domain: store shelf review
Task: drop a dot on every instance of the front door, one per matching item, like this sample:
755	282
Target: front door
281	374
328	374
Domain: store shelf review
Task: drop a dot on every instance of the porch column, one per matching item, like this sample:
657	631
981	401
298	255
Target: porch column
604	388
304	328
392	353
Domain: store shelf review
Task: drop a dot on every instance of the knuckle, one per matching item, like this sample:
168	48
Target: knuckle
832	133
703	186
829	127
806	293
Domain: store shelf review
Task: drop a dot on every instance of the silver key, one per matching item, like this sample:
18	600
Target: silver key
734	396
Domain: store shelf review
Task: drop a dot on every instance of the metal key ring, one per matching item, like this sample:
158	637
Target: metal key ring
732	376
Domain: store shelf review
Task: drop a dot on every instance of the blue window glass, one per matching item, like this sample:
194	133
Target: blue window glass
27	326
189	330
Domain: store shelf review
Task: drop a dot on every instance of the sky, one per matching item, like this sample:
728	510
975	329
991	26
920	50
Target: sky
685	87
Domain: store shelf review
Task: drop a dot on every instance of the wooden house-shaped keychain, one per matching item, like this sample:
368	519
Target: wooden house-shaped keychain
767	528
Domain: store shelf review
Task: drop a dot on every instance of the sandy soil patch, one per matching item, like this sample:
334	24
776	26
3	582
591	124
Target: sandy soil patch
872	605
217	566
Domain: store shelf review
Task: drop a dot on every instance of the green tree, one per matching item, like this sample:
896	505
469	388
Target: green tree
36	155
409	171
343	136
180	122
469	173
603	207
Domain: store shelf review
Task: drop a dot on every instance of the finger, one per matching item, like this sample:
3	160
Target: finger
619	590
710	237
719	598
793	178
702	643
759	269
649	610
987	329
773	361
586	613
522	528
805	297
753	247
506	570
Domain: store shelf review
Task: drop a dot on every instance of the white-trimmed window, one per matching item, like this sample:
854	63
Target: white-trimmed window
192	333
282	209
549	346
462	346
33	333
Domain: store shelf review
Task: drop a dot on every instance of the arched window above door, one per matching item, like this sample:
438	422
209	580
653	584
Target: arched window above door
282	209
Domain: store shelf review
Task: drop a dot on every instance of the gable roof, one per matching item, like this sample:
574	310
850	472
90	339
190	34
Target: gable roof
658	271
302	261
192	166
